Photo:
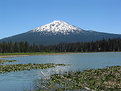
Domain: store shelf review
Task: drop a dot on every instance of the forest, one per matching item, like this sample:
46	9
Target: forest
93	46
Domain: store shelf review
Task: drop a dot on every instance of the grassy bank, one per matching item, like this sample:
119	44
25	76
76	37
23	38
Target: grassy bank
2	55
34	53
106	79
44	53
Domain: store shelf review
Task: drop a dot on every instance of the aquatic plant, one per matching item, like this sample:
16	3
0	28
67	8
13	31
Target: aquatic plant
21	67
2	61
108	79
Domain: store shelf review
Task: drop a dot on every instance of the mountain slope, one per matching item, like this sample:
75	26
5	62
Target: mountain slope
58	32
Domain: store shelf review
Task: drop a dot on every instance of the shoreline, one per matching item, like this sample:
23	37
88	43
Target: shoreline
7	55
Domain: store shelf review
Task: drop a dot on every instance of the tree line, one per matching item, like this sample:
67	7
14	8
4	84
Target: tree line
93	46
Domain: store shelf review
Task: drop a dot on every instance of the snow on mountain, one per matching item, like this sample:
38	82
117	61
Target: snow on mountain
58	27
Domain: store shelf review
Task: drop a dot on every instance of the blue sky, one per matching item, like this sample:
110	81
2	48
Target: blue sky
18	16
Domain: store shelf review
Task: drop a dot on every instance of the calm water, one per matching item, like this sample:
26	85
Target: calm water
23	80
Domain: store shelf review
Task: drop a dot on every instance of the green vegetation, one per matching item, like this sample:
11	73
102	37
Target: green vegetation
21	67
106	79
33	53
104	45
2	61
5	55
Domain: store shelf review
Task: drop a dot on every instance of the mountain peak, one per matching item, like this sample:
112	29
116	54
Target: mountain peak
57	26
55	21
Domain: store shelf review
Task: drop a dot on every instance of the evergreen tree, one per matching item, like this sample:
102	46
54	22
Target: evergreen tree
26	47
97	46
21	46
16	47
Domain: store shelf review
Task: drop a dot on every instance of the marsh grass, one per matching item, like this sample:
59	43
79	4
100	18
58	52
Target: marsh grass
106	79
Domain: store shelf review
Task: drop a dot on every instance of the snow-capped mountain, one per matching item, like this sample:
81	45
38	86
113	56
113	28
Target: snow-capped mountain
59	32
58	27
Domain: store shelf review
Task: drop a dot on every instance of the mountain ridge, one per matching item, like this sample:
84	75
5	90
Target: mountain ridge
59	32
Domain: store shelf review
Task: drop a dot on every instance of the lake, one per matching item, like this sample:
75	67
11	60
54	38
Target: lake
23	80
